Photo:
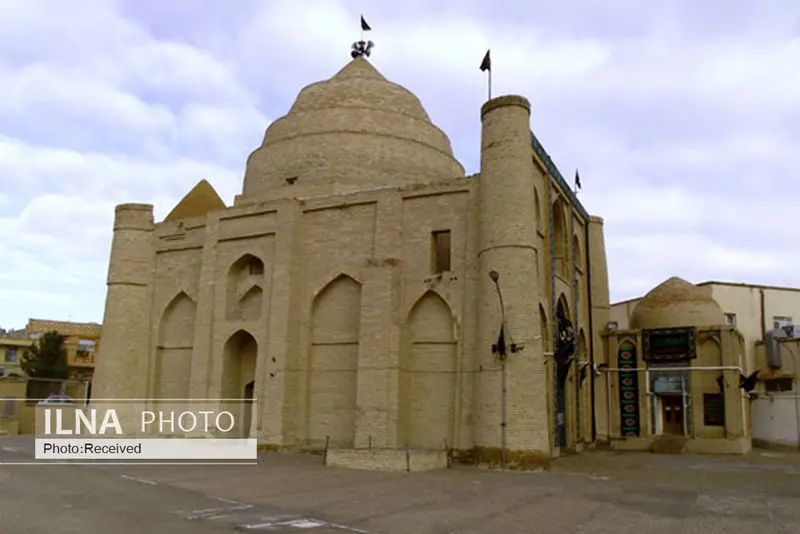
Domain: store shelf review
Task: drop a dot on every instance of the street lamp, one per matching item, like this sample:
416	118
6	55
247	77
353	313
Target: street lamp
499	348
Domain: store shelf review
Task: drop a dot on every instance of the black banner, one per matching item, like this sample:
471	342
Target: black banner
628	391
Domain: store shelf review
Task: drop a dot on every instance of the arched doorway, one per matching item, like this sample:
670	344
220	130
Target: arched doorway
239	373
563	356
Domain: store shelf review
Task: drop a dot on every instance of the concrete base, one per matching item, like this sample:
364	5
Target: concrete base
776	445
387	459
670	444
678	445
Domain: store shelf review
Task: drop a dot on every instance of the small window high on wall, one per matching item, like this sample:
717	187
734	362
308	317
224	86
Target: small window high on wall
441	251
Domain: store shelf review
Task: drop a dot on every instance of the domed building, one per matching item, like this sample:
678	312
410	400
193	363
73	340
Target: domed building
366	296
674	375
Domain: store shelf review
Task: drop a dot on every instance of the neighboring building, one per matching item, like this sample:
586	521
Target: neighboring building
347	288
776	409
752	309
12	350
673	374
80	339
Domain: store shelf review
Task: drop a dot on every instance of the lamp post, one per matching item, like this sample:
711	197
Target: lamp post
500	350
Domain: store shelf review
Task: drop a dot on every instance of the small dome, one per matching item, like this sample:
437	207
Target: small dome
676	303
356	129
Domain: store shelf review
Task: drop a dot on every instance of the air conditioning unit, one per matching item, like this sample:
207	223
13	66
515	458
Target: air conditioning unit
772	347
792	330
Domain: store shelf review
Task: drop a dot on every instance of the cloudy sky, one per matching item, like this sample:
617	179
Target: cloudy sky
683	118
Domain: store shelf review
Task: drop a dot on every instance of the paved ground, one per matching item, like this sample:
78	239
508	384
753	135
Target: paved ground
599	492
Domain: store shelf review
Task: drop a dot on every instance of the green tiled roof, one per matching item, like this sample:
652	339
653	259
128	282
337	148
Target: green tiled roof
553	171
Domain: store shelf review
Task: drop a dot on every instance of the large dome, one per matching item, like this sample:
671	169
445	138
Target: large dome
676	303
356	130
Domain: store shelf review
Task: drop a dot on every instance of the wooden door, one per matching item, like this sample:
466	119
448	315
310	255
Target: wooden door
672	414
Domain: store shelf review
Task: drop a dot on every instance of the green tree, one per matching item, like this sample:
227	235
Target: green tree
47	358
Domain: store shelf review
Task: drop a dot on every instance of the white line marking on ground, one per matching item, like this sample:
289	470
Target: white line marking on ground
350	529
208	512
140	480
227	501
297	523
302	523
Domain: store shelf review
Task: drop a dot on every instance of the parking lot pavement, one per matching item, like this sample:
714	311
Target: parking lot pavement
44	499
595	492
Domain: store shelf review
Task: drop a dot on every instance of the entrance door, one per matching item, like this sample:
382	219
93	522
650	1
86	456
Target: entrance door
248	407
672	414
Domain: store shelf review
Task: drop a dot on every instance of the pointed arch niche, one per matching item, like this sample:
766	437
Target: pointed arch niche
239	357
333	365
428	375
560	238
174	350
245	289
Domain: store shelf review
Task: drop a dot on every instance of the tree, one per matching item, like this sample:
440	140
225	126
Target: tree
47	360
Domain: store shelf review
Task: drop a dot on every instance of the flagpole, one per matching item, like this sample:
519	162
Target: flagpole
490	83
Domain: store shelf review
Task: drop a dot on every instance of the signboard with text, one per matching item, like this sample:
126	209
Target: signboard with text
147	431
669	345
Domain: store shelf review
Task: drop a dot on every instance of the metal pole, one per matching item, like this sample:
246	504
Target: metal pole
668	369
685	401
490	83
608	406
503	408
650	402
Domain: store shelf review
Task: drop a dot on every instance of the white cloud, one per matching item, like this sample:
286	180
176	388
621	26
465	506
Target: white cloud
682	119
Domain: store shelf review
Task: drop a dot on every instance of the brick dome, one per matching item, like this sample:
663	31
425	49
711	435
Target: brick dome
676	303
356	129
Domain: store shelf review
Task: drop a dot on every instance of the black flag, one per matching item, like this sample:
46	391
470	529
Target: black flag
577	180
500	346
486	64
364	26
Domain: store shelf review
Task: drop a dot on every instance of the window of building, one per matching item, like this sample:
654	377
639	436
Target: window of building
2	372
780	322
441	251
86	345
11	354
9	407
779	384
730	319
713	409
35	336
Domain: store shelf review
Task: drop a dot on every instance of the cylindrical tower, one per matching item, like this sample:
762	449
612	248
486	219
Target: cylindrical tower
601	314
125	341
508	245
